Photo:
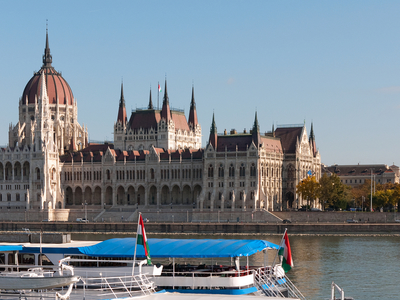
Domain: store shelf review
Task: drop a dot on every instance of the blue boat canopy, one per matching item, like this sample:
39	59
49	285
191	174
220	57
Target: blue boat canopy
5	248
200	248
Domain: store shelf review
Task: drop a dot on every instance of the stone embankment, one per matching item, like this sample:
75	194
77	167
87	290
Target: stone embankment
206	228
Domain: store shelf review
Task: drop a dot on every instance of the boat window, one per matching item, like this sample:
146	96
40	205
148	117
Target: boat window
11	259
26	259
46	261
2	258
87	261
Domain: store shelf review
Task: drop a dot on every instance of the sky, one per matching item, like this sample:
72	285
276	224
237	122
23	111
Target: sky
335	64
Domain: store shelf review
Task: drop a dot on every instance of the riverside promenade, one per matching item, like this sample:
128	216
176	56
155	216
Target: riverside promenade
216	222
205	228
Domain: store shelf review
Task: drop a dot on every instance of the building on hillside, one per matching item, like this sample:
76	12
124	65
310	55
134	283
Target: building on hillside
156	160
354	175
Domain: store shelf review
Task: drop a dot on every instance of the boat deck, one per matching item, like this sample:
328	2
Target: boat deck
92	295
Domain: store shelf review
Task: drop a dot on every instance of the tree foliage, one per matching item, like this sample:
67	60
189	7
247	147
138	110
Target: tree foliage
333	193
383	195
309	189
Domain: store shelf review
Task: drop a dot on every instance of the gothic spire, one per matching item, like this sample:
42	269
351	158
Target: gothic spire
150	102
255	136
213	134
312	140
122	118
192	113
47	58
312	136
166	99
43	88
165	111
256	127
213	128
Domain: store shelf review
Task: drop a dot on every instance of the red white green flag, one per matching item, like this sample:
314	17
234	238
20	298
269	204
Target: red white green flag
287	262
159	88
142	239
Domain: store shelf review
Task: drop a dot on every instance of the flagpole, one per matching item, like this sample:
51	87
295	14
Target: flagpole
134	255
158	96
276	255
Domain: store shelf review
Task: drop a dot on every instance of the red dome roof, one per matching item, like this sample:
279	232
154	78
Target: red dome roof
57	87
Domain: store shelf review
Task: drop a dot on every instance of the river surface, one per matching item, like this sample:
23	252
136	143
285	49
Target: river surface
364	266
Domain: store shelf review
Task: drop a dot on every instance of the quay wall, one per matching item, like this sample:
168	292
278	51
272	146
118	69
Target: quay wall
122	214
204	228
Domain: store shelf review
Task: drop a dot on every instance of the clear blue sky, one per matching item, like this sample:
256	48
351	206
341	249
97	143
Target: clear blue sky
333	63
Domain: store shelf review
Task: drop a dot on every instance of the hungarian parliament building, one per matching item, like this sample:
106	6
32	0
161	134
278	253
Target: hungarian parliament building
156	161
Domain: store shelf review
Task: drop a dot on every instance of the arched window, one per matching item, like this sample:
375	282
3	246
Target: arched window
242	171
38	174
152	173
210	171
253	170
221	171
108	175
231	171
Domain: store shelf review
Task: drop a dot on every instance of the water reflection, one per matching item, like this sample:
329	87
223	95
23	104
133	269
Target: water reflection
364	266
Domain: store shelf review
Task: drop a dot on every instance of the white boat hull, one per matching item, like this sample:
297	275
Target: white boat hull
35	283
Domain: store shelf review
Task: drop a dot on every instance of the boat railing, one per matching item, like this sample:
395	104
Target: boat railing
334	287
279	280
266	283
205	273
117	287
205	279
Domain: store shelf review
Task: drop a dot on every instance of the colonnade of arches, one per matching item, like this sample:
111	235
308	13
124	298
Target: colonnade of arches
130	195
233	200
16	171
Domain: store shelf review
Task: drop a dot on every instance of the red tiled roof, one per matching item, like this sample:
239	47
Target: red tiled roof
87	155
271	144
57	87
179	120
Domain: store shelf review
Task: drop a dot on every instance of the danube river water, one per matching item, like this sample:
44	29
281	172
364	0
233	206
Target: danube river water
364	266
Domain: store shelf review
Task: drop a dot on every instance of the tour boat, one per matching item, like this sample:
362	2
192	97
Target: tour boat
195	266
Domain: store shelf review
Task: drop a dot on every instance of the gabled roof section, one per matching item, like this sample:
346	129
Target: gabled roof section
144	119
233	142
289	137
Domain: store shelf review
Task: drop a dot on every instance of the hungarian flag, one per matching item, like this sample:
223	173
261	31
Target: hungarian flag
159	88
287	262
142	239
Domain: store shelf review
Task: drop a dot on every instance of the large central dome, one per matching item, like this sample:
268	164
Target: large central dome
58	90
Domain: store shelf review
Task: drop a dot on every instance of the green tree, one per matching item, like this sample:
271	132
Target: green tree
333	193
382	198
309	189
396	195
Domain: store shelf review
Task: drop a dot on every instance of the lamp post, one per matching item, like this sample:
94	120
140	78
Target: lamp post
362	204
371	192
